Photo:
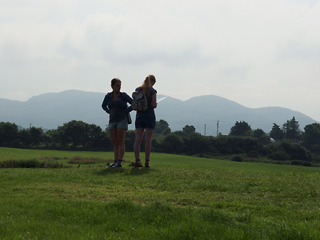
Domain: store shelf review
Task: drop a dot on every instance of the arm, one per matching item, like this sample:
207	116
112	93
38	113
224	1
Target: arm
154	103
104	103
128	99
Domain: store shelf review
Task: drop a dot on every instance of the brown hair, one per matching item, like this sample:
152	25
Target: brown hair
147	84
114	81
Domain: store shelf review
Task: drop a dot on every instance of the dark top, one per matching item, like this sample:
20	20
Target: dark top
117	109
116	112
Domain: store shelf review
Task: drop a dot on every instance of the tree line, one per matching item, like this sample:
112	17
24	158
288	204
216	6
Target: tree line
288	143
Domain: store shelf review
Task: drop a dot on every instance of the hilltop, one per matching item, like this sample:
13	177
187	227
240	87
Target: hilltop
51	110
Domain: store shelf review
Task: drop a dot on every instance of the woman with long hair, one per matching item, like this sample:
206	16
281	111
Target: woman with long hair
145	121
115	103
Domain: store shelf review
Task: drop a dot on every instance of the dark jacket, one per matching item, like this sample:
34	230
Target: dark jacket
123	98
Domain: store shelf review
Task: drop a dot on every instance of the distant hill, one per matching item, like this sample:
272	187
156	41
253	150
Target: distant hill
51	110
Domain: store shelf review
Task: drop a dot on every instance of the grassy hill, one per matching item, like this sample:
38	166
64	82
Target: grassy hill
179	197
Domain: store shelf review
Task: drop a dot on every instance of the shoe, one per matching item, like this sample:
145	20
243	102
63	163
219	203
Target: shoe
117	164
112	164
138	164
147	164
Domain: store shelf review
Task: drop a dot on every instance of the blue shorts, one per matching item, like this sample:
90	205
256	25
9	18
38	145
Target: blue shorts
121	124
148	122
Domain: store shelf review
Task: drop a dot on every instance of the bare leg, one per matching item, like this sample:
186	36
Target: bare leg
137	142
121	146
113	135
147	142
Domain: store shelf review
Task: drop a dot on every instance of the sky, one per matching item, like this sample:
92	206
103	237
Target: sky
258	53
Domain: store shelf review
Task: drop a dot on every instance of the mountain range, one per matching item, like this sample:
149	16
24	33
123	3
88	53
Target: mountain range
209	114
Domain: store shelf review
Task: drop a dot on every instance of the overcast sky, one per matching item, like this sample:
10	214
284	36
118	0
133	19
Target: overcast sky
258	53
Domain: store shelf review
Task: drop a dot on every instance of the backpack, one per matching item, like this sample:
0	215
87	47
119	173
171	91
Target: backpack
139	101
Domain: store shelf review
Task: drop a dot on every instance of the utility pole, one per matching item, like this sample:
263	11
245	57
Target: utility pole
217	128
205	129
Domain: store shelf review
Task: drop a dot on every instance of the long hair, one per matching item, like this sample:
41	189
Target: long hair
147	84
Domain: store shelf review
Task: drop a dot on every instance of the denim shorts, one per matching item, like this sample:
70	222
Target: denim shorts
148	122
121	124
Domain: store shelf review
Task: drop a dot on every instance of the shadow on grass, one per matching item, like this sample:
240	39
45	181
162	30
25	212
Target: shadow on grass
125	171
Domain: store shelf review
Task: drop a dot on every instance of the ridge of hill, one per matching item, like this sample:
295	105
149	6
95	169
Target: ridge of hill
207	113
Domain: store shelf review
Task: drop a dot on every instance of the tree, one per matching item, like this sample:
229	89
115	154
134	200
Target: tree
180	133
162	127
294	150
237	144
240	129
8	134
261	136
194	143
129	141
36	135
311	137
74	133
189	129
52	138
276	133
24	137
291	130
95	137
172	143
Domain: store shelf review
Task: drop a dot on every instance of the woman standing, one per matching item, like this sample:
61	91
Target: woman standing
115	103
145	121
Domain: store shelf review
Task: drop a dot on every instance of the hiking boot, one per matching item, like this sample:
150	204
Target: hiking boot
117	164
138	164
147	164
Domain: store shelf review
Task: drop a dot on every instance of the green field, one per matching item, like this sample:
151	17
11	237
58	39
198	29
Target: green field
179	197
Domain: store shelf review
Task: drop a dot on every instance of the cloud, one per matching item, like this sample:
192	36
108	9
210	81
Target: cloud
242	50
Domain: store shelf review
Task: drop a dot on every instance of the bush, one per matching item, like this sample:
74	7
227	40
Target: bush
172	143
307	164
236	158
28	164
253	154
295	162
279	155
82	160
295	150
301	163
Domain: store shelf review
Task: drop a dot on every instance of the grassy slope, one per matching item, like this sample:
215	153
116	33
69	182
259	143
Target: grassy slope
180	197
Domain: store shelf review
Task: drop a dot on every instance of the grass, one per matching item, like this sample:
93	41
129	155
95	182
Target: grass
179	197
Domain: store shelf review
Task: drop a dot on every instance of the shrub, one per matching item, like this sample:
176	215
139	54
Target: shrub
301	163
253	154
307	164
236	158
295	150
28	164
82	160
279	155
295	162
172	143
